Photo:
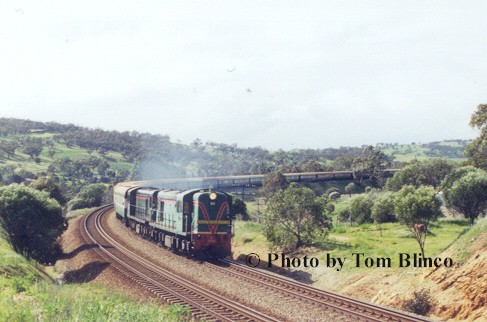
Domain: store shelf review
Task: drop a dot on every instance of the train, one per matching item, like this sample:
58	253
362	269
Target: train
255	180
195	222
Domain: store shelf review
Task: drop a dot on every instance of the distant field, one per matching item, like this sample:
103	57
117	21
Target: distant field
24	161
450	149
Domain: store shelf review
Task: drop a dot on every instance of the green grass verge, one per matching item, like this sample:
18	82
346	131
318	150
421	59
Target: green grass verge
460	247
388	240
249	232
25	296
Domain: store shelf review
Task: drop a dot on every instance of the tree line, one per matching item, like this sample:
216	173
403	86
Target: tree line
413	196
294	215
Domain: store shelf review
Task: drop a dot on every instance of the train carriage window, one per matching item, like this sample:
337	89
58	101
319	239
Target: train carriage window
146	210
161	210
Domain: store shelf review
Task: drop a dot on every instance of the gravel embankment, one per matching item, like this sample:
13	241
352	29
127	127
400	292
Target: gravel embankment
81	264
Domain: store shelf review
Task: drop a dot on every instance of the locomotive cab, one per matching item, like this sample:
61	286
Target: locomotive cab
212	224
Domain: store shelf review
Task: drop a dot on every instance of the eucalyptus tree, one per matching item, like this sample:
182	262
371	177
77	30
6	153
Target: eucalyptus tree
31	221
295	216
417	208
477	150
371	164
468	193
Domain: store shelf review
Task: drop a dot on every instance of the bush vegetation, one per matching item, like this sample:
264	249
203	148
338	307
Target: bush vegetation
89	196
31	222
421	303
25	296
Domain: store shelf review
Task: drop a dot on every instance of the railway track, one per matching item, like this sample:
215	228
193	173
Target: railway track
209	306
352	308
204	304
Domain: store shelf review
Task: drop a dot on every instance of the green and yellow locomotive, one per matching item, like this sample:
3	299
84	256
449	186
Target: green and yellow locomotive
197	222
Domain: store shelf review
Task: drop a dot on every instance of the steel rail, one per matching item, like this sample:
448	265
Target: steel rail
335	301
223	308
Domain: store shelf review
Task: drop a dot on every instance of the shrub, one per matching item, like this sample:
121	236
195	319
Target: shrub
361	209
421	303
89	196
334	195
383	209
32	222
344	215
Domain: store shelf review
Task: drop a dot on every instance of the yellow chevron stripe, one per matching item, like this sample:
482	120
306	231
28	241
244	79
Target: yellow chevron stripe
218	222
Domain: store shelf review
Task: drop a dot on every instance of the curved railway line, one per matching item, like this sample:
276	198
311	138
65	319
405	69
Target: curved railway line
204	304
209	306
352	308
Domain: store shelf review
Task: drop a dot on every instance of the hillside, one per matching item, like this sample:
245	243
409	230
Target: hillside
457	293
74	152
75	157
29	294
460	291
449	149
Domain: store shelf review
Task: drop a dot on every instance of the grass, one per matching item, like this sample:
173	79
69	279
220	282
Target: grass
255	208
460	247
79	212
249	232
23	161
410	152
25	296
452	144
388	241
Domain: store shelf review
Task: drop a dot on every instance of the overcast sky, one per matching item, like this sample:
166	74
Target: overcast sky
276	74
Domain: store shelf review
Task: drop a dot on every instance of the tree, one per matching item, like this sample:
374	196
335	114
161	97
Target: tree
103	167
89	196
361	209
350	188
32	222
295	216
312	166
50	186
10	174
51	151
468	194
33	148
240	208
371	164
417	208
335	195
419	173
272	183
477	150
344	215
8	147
455	175
383	209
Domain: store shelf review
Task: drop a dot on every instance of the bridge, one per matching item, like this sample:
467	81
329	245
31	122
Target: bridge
227	183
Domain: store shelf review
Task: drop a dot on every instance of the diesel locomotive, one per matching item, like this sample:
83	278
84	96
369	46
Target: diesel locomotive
196	222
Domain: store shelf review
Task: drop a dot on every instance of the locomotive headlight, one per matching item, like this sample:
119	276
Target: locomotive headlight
213	196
